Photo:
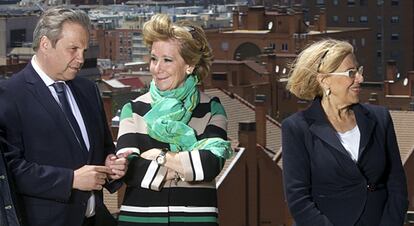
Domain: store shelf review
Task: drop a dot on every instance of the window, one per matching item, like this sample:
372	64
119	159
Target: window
335	19
395	2
363	19
379	53
380	2
379	70
284	47
362	42
395	36
219	77
335	2
351	19
395	54
320	2
379	36
224	46
17	37
395	19
363	2
379	19
351	2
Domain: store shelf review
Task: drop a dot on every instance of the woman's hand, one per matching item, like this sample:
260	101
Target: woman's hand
171	175
151	154
172	159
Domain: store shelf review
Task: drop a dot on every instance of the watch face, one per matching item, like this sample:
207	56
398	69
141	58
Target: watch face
160	159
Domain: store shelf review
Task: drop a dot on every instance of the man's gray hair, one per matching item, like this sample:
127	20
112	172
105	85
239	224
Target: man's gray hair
51	22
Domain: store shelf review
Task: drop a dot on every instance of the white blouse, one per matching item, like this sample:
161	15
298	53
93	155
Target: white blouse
350	140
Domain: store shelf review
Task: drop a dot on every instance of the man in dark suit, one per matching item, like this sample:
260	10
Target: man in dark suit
64	150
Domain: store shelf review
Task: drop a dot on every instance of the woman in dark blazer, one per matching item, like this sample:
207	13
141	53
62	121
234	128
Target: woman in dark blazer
341	161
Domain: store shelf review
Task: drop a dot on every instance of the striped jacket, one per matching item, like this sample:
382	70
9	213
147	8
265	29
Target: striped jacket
150	200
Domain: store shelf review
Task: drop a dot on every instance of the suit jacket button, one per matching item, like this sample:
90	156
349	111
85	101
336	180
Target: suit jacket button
371	187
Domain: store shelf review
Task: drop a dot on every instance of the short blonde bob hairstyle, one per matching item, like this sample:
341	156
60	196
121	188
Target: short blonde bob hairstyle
324	56
195	49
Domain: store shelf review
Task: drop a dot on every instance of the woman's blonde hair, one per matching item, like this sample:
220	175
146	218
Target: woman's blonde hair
195	49
323	56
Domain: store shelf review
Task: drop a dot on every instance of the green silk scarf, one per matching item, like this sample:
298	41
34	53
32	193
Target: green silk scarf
170	113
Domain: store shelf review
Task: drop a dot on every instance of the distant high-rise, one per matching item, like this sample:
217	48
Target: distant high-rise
390	20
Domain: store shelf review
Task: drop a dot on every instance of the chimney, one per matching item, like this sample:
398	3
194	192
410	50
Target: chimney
260	110
411	107
391	70
316	23
107	104
235	19
322	21
373	98
247	135
247	139
243	20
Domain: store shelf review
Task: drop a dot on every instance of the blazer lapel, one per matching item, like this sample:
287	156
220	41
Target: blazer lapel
320	127
366	125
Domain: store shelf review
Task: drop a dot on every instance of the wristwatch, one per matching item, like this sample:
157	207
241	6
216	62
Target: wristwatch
161	158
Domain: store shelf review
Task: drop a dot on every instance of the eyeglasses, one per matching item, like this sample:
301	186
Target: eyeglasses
350	73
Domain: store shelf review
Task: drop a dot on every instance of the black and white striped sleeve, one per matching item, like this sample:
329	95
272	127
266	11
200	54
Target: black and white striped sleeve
203	165
132	136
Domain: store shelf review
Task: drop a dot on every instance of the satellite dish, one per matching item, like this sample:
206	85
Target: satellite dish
405	82
270	25
277	69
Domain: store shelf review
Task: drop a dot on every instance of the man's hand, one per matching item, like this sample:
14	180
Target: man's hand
89	177
117	164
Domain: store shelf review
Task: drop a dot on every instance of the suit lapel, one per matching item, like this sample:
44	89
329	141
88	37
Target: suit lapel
82	102
42	93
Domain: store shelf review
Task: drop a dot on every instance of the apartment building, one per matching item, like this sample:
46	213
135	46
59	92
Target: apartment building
16	32
390	20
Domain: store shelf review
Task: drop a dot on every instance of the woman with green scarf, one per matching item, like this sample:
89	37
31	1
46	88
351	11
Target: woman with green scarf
177	132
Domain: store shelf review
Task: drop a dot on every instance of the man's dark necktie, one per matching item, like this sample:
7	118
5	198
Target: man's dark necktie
64	104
